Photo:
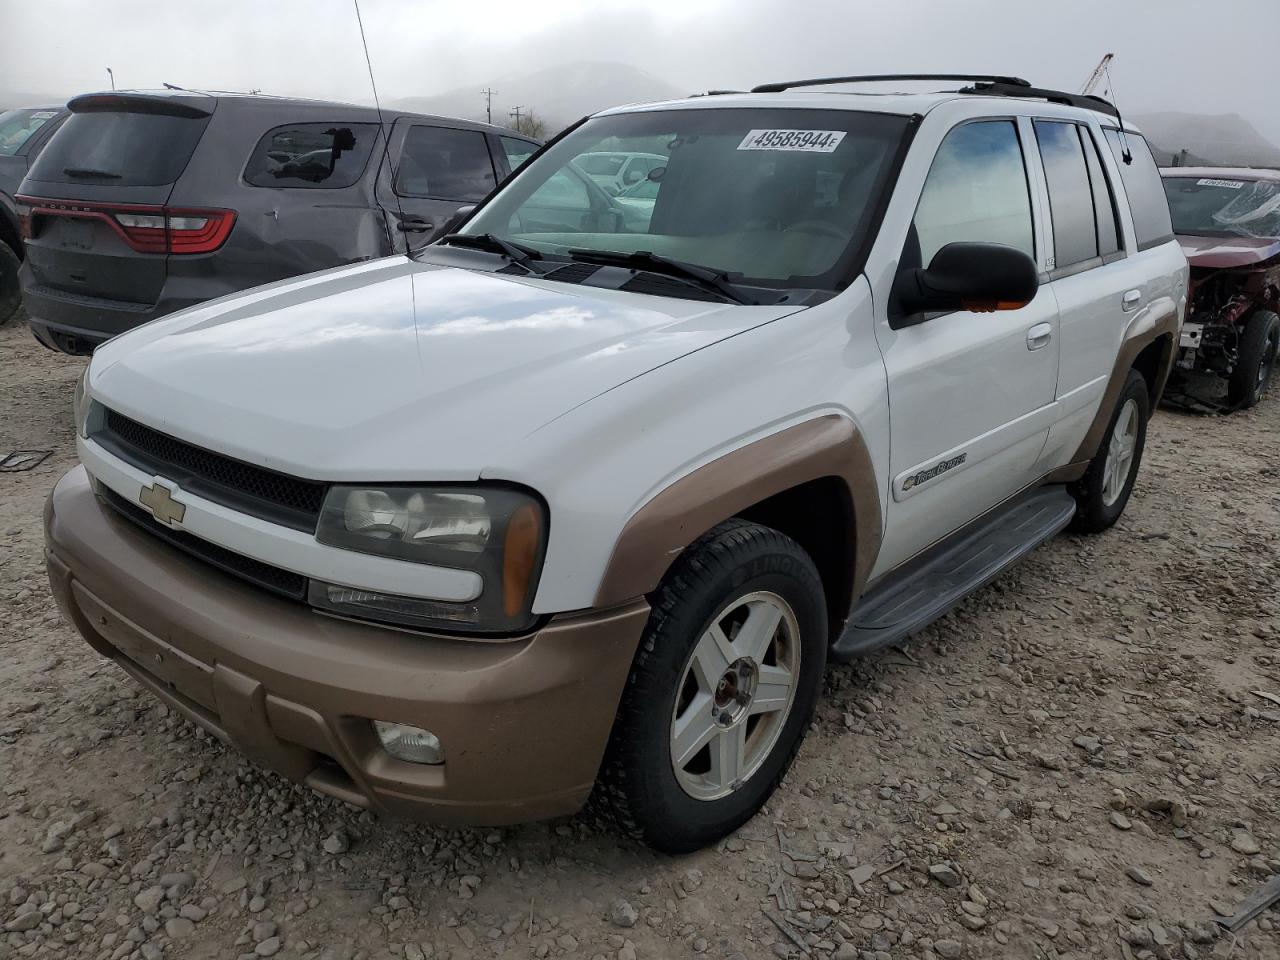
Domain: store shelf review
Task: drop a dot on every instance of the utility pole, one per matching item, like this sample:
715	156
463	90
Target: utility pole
516	114
488	93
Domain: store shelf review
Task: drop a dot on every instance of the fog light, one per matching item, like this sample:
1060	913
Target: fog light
412	744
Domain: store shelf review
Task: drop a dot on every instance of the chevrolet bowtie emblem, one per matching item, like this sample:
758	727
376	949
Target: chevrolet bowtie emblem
159	500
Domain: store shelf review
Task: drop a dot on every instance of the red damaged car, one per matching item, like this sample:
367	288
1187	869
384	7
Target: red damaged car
1228	221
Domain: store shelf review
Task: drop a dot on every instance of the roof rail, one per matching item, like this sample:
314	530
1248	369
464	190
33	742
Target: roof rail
876	78
1086	101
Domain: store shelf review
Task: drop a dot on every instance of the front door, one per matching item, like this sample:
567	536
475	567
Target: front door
436	170
971	395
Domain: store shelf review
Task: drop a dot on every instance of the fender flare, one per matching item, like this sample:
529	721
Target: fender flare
827	446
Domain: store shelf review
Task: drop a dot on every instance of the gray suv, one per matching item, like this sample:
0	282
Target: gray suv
144	203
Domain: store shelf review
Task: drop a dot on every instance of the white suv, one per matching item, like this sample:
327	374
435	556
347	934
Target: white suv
550	508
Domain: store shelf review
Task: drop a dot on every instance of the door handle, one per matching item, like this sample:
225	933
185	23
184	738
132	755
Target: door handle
414	225
1131	299
1039	336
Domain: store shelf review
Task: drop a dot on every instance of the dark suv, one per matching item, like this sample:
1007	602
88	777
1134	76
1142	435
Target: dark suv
147	202
23	133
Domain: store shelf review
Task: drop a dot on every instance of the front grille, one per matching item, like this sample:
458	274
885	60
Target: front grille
282	582
259	492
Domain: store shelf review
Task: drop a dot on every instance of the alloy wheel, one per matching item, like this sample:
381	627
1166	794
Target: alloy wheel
735	695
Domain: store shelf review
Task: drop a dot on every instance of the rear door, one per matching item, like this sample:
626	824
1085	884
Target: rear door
434	170
1087	273
96	193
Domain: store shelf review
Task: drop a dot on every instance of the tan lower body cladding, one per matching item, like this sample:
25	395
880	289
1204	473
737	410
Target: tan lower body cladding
523	722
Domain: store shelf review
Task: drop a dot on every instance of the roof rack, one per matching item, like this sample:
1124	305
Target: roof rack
1085	101
876	78
985	85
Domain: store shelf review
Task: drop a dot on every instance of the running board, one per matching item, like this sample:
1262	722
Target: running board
929	587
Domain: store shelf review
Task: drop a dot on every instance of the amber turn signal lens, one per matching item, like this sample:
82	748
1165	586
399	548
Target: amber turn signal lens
519	559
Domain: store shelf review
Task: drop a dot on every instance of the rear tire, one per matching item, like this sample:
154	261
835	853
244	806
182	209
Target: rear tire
10	293
1259	345
710	721
1103	492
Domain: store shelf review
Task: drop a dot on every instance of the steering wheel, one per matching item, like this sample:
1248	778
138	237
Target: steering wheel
821	227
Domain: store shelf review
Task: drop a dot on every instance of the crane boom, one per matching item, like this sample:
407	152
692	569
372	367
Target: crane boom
1098	71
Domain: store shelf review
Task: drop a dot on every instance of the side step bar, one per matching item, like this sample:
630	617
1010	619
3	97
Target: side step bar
927	588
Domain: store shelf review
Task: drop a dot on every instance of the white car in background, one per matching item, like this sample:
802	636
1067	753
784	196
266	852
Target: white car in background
615	171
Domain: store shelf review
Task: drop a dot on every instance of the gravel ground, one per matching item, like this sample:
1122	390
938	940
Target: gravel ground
1074	764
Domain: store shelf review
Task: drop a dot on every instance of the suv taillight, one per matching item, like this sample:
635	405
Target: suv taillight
146	228
24	220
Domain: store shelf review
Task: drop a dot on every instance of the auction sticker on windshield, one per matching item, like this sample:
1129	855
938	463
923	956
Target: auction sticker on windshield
1229	184
799	141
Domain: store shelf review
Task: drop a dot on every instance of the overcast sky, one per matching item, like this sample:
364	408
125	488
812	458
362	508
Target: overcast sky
1192	55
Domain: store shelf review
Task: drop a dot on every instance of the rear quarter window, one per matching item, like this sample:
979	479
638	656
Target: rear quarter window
17	126
119	148
312	155
1141	178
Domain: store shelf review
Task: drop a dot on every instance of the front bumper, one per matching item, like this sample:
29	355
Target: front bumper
523	722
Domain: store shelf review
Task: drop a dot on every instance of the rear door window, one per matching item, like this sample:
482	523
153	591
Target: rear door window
976	192
445	164
1147	201
1075	237
17	126
1104	201
119	148
517	151
324	155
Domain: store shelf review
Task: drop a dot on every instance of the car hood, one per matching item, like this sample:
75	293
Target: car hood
395	370
1221	252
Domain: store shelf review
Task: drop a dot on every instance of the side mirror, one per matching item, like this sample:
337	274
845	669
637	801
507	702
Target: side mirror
456	218
981	277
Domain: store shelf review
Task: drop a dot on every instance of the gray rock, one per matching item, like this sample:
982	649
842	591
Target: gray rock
1242	841
337	842
1120	821
148	901
268	948
1138	876
947	949
945	874
264	930
623	914
25	922
179	928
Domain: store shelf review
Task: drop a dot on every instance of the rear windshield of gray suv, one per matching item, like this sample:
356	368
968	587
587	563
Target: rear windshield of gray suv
783	198
119	148
331	155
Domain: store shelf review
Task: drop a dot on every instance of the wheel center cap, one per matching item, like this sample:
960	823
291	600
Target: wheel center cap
735	691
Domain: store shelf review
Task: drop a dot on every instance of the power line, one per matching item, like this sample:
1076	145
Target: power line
488	93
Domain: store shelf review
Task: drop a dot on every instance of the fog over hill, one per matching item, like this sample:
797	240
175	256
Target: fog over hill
1223	140
559	95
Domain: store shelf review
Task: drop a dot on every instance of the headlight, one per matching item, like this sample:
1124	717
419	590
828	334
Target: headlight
497	532
80	404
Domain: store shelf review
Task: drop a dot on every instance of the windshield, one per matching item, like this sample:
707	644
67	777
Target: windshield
781	198
17	126
1224	207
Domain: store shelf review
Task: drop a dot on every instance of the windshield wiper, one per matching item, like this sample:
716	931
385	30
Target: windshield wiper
94	174
515	252
716	281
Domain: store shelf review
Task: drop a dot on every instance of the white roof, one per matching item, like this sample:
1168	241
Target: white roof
856	97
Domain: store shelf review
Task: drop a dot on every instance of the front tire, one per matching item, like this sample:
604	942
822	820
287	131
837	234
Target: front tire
721	691
1256	360
1104	490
